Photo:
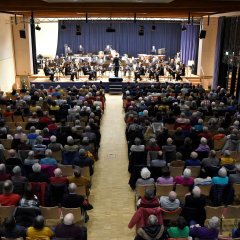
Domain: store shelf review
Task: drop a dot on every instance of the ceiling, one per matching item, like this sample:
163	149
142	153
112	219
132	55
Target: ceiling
119	8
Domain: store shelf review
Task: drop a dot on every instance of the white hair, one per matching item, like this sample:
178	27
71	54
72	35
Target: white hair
36	167
152	220
145	173
196	191
222	172
213	222
70	140
68	219
2	167
48	153
169	141
194	155
16	170
53	138
200	121
203	140
227	153
187	173
58	172
172	196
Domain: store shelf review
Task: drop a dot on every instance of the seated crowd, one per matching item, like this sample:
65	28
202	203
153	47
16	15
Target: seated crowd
183	145
49	143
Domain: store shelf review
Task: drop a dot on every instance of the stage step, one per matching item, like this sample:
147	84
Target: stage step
115	88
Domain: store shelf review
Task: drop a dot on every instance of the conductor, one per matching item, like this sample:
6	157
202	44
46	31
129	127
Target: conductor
116	65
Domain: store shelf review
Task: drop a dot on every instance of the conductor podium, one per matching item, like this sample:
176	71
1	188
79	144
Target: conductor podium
115	79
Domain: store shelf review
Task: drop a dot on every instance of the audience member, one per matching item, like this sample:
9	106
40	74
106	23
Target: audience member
170	202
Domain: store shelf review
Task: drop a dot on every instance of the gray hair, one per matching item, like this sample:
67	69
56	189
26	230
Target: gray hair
58	172
172	196
194	155
227	153
48	153
196	191
70	140
213	222
36	167
145	173
203	140
68	219
7	187
187	173
212	153
169	141
53	138
222	172
72	187
12	152
2	168
17	170
152	220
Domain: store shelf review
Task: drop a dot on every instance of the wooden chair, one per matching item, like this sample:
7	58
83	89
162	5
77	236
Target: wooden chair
17	118
140	189
171	215
6	211
176	171
218	144
57	155
232	212
7	143
8	119
67	170
79	216
86	173
218	154
81	190
205	189
214	211
22	124
236	187
6	153
177	163
10	125
51	215
195	170
163	189
235	155
181	191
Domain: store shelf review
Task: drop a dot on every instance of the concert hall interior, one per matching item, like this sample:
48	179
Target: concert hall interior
124	91
65	41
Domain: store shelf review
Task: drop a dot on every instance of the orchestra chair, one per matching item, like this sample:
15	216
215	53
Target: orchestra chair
67	170
51	215
195	170
6	211
7	143
175	171
163	189
171	215
79	216
218	144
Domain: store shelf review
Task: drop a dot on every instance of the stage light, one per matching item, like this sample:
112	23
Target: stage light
153	27
78	30
110	29
38	27
184	28
63	27
141	31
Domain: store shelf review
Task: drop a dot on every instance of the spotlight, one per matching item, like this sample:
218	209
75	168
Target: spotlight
184	28
63	27
78	30
153	27
38	27
141	31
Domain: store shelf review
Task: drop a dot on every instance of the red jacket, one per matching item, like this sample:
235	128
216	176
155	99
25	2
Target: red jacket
140	217
9	200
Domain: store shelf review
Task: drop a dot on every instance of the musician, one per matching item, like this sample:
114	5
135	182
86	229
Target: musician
159	71
88	71
152	71
172	68
48	72
70	69
180	72
140	71
116	63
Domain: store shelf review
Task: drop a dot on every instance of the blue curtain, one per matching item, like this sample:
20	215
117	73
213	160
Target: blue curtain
94	37
189	44
219	43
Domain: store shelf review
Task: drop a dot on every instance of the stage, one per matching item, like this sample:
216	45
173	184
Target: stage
65	81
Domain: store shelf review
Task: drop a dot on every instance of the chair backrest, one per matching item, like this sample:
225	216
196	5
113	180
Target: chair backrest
6	211
171	215
232	212
163	189
23	154
19	188
178	163
50	212
181	190
57	155
67	170
176	171
86	172
56	192
236	187
75	211
39	189
218	144
68	157
81	190
205	189
214	211
140	189
7	143
195	170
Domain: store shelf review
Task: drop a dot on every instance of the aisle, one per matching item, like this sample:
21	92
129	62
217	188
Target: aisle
111	196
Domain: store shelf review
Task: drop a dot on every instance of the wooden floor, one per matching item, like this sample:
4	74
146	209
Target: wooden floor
111	196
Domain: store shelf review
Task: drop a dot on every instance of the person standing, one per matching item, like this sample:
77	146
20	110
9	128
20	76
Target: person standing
116	63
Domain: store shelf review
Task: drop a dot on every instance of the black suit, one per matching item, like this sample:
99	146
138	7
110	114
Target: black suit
48	72
38	177
72	201
87	71
116	66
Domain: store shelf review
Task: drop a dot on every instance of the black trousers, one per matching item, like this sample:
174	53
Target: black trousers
116	70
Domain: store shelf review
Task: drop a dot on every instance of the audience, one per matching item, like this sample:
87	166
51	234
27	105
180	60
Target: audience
170	202
145	177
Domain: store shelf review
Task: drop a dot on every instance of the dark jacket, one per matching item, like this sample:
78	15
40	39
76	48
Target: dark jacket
156	232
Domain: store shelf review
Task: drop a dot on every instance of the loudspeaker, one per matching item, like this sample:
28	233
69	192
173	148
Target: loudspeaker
202	34
22	33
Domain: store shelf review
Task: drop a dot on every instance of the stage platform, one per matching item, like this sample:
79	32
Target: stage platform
64	81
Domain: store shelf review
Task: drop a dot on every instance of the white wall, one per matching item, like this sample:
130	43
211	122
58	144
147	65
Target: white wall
7	63
46	39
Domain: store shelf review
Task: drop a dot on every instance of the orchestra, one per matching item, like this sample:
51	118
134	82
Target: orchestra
152	66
